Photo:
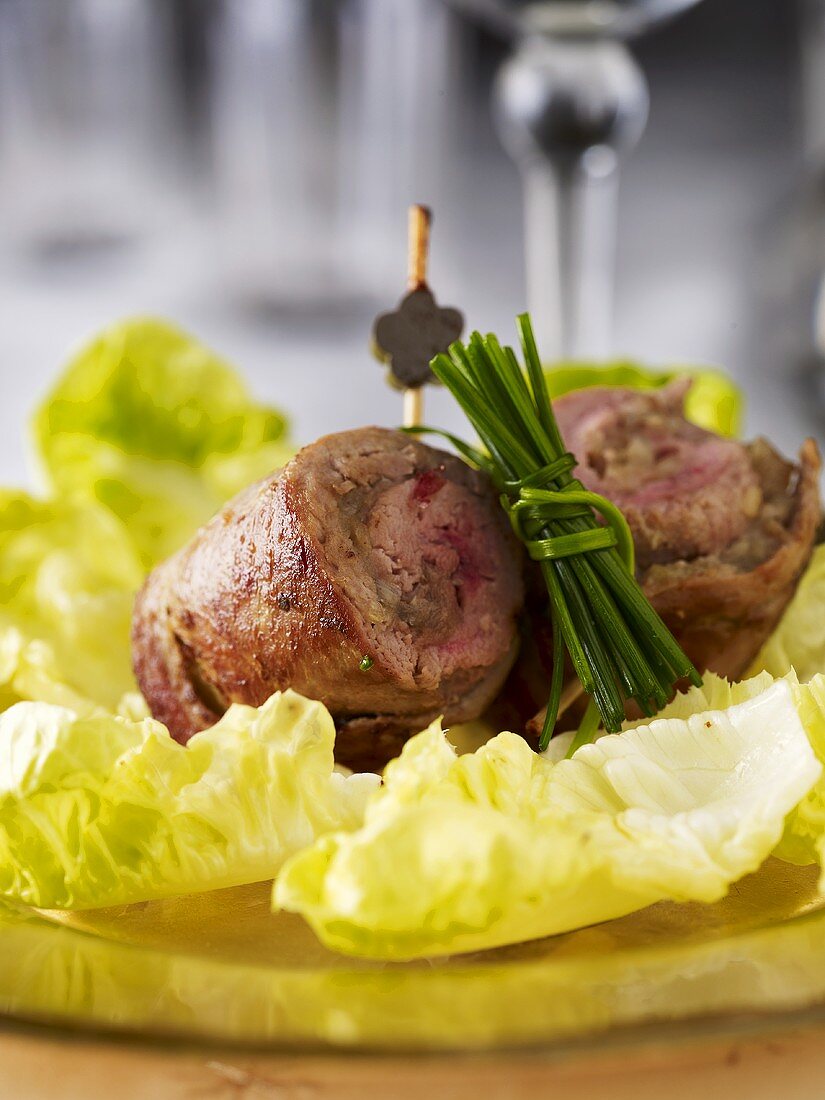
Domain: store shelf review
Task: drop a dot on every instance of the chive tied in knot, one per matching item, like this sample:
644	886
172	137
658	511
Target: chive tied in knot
617	643
539	500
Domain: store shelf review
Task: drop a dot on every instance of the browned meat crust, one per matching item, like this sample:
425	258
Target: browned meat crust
368	543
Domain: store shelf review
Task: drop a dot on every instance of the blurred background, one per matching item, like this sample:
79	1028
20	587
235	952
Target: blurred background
648	174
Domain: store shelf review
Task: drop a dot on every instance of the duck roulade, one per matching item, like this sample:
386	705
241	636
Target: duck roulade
373	572
723	529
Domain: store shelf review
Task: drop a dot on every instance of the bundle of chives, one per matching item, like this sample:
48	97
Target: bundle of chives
618	645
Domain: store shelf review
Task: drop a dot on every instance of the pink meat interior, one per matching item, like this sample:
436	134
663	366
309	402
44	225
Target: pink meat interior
685	491
436	559
424	559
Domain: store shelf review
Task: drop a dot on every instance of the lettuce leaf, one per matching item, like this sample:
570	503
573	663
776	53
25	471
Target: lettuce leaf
101	810
798	641
713	400
156	427
803	840
68	575
465	853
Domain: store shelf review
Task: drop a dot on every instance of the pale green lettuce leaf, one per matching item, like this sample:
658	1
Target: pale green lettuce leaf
713	401
465	853
798	641
714	693
155	426
68	576
803	840
101	810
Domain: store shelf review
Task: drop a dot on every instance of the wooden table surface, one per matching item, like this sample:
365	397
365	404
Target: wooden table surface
37	1064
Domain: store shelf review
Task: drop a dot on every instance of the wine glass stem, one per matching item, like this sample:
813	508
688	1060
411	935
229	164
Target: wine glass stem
570	232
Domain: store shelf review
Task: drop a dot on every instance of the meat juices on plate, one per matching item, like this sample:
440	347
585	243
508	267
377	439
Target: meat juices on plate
368	544
723	529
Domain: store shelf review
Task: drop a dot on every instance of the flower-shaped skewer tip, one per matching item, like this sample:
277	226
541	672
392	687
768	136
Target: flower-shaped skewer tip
406	339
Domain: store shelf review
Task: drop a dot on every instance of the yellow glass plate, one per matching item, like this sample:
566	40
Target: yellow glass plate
220	967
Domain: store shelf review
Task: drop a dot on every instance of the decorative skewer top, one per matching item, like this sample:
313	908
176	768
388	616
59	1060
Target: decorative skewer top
407	338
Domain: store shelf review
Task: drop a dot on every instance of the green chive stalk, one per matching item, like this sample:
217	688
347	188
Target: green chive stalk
618	645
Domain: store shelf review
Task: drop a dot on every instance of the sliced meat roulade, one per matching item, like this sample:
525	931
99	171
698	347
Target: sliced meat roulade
723	529
374	573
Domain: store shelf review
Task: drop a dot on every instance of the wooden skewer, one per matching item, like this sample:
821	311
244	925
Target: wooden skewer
420	220
570	693
413	406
